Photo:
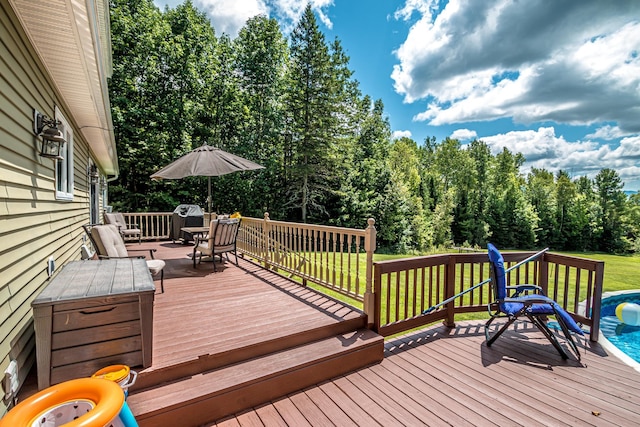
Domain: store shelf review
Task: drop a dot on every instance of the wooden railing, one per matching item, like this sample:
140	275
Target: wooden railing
334	258
406	288
153	225
331	257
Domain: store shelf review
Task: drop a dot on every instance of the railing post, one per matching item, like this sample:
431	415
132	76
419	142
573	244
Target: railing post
543	274
449	288
265	240
369	296
597	302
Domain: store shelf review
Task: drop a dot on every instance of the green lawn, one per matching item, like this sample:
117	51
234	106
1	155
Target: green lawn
620	272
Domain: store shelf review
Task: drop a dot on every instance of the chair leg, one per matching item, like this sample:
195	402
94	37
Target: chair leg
568	337
162	281
491	340
547	333
194	256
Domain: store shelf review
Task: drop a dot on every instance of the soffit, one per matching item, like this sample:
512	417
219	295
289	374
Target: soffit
72	38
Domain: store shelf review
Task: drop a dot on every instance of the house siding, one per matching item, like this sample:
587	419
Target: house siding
33	224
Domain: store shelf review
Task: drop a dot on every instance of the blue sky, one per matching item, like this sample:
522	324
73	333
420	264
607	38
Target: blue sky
556	81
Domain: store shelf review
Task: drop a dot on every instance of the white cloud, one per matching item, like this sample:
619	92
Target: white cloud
397	134
423	7
531	61
543	149
464	134
607	132
229	16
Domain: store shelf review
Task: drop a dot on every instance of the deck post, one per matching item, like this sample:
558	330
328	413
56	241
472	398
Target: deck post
449	290
265	241
597	302
370	248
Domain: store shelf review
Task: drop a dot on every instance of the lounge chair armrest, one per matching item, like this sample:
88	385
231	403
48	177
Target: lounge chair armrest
523	288
529	301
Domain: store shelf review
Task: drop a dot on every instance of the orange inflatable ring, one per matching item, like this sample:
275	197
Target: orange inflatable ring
105	396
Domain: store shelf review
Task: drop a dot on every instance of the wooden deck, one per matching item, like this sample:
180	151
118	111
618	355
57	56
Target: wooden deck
441	377
232	340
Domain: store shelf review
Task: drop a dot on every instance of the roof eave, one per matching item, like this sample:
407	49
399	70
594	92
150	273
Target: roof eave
76	51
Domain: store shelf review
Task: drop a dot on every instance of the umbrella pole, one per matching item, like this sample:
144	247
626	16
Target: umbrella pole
209	196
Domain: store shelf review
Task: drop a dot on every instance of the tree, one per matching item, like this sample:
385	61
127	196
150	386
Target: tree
163	64
310	105
611	200
541	193
261	61
511	217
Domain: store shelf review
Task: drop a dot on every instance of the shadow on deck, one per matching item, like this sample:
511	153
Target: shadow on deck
229	340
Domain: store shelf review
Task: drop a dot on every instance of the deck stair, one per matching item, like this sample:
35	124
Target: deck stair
212	395
218	358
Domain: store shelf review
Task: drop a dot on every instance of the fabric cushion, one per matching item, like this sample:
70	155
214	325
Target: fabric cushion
497	260
155	266
108	241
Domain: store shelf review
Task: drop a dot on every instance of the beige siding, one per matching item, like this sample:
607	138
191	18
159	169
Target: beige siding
33	224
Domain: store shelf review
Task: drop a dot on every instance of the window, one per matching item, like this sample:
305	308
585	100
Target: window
64	167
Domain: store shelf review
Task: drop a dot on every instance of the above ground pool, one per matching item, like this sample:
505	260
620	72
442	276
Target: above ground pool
620	338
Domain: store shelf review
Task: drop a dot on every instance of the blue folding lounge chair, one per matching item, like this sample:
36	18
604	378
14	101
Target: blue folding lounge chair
536	307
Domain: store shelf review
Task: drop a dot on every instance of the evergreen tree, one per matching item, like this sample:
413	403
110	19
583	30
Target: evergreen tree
310	105
611	200
261	60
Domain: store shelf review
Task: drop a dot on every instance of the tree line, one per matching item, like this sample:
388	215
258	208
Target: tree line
293	106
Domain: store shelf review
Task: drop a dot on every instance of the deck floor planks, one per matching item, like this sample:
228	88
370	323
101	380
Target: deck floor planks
623	388
513	386
333	411
388	405
476	391
356	410
235	307
422	408
309	410
483	415
374	408
290	413
453	364
619	410
270	416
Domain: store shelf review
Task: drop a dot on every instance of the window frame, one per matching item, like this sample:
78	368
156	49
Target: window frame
64	168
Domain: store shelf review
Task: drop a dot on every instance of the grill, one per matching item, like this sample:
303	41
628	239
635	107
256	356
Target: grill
185	216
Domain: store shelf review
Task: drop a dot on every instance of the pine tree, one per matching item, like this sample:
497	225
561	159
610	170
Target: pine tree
312	122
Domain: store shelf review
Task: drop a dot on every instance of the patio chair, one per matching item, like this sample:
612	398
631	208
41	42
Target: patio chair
108	243
221	240
127	230
521	303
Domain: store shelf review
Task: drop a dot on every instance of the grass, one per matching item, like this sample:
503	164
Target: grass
621	272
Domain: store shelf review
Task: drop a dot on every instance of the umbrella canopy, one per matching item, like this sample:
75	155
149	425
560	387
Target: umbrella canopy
205	161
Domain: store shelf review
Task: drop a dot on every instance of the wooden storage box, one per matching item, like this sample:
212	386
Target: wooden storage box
94	314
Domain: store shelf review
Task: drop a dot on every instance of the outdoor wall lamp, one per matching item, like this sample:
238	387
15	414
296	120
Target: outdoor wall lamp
94	176
52	137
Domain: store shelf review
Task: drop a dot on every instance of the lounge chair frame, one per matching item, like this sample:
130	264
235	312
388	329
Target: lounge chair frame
535	307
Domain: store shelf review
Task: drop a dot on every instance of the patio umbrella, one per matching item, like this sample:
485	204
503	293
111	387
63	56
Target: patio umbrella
205	161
